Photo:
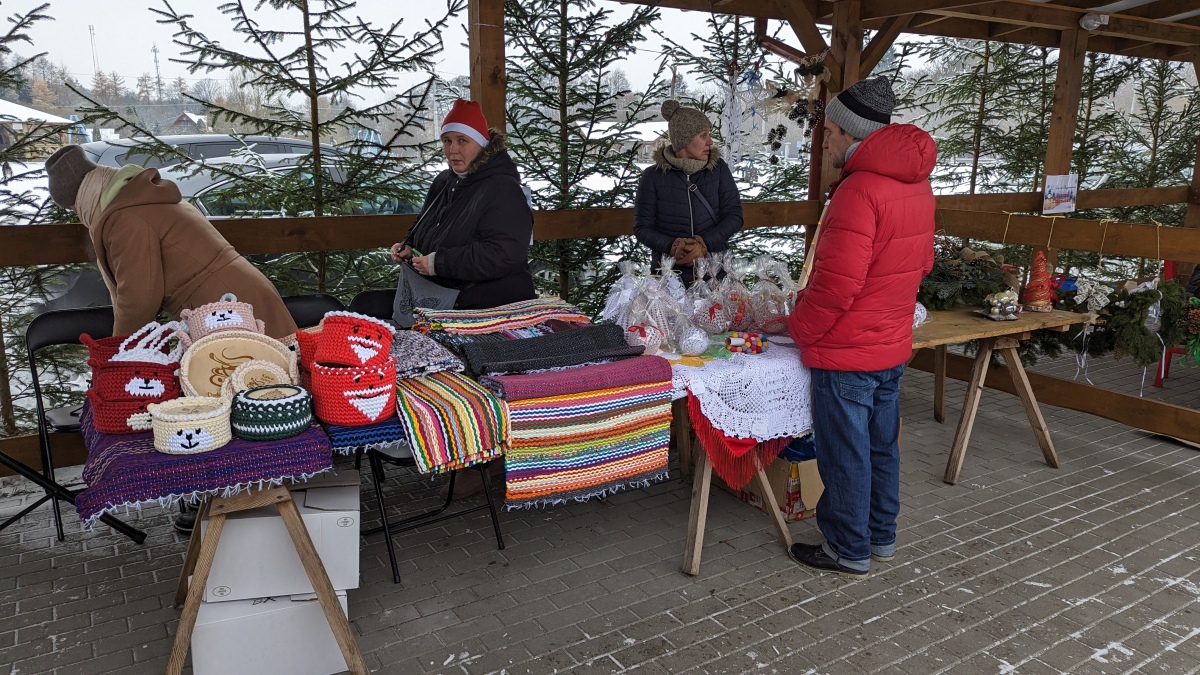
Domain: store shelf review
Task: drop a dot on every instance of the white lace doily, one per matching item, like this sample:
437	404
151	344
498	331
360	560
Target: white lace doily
760	396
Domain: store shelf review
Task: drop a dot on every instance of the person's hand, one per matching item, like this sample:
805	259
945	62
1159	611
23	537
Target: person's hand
420	263
693	254
681	249
400	252
701	247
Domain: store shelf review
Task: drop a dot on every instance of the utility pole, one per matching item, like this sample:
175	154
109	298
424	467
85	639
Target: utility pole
158	82
95	59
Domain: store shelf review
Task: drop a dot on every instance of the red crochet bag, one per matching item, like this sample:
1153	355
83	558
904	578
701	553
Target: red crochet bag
354	396
119	417
350	339
115	381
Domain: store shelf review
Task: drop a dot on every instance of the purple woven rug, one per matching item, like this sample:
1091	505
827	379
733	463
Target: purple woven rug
124	471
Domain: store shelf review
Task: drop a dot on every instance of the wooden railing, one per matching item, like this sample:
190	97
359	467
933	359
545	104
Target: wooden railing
974	216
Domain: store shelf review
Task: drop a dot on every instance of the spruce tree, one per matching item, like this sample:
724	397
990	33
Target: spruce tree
313	69
573	129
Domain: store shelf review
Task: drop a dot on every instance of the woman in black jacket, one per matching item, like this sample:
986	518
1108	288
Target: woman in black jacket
687	203
474	230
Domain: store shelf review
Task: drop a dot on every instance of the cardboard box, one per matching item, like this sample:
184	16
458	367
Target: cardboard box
256	558
266	635
796	485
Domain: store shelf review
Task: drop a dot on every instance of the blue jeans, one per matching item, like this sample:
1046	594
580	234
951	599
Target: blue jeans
856	423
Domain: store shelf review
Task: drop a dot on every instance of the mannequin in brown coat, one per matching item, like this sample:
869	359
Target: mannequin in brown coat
155	251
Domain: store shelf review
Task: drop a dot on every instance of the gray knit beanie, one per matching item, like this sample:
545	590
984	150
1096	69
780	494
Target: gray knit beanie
683	124
864	107
66	169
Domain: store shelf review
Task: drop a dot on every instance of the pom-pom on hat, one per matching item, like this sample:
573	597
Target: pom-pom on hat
225	314
466	117
683	123
351	339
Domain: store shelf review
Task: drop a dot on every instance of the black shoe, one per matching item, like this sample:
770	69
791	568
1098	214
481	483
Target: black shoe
813	556
185	522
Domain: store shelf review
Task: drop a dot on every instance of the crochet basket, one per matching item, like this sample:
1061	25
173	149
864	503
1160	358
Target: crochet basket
271	413
350	339
190	425
213	358
251	374
133	381
153	343
119	417
354	396
225	314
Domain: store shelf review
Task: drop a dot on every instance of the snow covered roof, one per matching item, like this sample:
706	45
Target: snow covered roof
16	111
198	120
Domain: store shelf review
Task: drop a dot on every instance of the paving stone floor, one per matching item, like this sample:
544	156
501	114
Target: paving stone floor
1090	568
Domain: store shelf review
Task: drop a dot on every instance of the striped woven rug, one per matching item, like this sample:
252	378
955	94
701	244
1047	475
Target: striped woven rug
573	448
450	421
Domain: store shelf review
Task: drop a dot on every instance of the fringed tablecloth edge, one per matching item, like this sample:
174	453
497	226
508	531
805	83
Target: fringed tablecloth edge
193	497
643	480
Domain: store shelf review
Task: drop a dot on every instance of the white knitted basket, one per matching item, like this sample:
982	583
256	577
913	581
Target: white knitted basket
251	374
190	425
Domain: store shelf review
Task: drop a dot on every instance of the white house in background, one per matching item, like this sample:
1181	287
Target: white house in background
15	120
189	123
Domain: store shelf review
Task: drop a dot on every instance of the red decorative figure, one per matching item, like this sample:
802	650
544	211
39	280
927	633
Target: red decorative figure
1037	296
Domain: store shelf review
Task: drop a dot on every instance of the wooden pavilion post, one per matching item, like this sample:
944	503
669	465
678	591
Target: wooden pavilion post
485	19
846	58
1068	86
1192	217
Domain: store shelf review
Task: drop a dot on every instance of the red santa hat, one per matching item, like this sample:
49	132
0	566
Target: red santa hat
466	117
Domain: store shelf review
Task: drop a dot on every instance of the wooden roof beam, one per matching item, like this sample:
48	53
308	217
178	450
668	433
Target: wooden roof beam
1161	9
873	53
1038	15
882	9
800	17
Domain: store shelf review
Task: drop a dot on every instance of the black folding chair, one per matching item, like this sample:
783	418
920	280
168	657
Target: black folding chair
308	310
377	303
60	327
399	455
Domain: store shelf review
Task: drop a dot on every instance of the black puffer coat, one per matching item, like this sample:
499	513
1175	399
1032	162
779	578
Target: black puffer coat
480	227
663	211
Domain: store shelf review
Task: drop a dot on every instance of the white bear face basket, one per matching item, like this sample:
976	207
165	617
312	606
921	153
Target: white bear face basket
212	359
190	425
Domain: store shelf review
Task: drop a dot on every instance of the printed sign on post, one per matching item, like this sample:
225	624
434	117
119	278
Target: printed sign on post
1061	192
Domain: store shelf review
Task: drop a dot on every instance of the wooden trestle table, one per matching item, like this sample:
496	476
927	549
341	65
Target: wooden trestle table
944	328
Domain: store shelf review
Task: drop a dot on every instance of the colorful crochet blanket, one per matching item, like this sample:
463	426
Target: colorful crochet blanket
348	440
638	370
124	471
579	446
451	422
505	317
418	355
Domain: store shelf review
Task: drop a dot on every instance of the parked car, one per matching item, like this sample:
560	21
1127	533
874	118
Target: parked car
214	192
198	146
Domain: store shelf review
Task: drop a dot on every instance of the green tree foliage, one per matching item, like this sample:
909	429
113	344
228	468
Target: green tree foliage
572	123
307	76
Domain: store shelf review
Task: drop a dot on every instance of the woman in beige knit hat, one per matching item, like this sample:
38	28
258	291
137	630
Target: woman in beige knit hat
687	202
154	250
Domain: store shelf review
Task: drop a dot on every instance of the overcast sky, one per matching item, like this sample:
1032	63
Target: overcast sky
126	32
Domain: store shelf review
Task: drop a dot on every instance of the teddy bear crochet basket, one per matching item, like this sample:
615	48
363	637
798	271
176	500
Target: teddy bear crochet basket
190	425
225	314
354	396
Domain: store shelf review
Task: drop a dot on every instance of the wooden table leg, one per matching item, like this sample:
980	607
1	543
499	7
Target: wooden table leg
962	435
772	507
193	552
681	429
1012	361
195	593
325	593
701	484
939	383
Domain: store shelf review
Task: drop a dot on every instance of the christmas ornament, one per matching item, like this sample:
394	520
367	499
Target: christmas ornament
650	337
1037	292
1001	306
693	342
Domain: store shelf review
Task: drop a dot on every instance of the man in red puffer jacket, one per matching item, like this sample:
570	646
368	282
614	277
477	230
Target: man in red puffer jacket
853	322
